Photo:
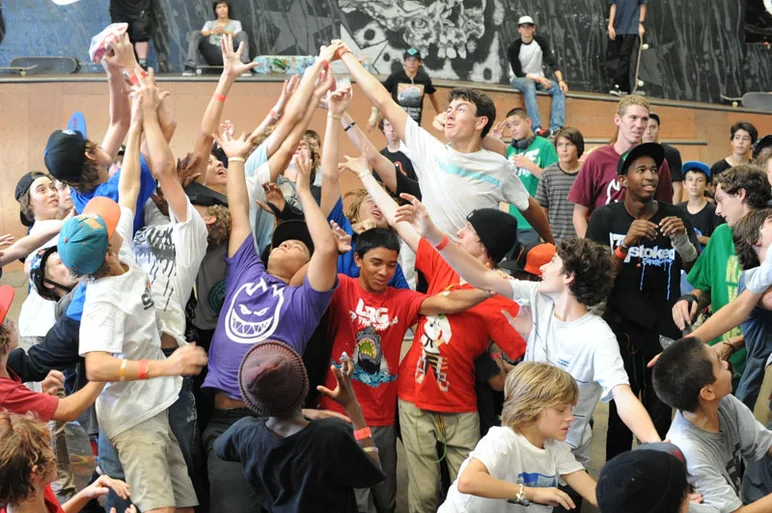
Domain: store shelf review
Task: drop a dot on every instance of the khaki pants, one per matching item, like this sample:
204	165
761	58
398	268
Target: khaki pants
421	430
761	410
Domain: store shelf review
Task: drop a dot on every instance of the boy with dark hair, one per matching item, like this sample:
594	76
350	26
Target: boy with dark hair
393	152
407	88
672	155
556	182
716	273
651	243
698	210
461	176
714	430
742	135
368	320
528	55
565	332
530	153
291	463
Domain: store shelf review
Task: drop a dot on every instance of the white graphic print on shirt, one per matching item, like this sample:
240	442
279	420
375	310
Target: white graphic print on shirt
437	332
246	326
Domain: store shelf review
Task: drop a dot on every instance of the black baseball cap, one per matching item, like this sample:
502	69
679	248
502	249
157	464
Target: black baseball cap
293	229
65	155
497	231
653	150
412	52
22	187
762	143
202	195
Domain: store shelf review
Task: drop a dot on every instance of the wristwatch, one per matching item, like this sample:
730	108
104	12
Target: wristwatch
520	498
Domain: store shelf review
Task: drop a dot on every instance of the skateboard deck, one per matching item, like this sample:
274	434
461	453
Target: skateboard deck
200	70
758	101
637	82
47	65
77	123
17	69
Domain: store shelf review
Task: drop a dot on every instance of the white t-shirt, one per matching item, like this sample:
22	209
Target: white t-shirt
453	184
586	348
509	456
119	317
37	315
171	255
531	59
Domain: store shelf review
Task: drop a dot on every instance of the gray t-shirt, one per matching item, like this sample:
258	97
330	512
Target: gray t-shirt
210	287
713	462
233	27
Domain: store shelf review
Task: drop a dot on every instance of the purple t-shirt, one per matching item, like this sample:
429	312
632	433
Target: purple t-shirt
258	307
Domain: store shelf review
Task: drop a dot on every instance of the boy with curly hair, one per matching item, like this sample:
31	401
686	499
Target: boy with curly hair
565	332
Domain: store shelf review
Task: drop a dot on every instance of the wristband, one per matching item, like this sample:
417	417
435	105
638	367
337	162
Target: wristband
443	243
220	98
370	449
274	115
361	434
333	116
343	51
346	129
620	253
731	347
144	366
689	298
325	64
363	174
237	159
122	372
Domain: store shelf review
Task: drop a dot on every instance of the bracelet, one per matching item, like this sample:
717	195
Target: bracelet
689	298
361	434
620	253
220	98
144	366
370	449
443	243
346	129
122	372
520	497
274	115
343	51
363	174
333	116
325	64
237	159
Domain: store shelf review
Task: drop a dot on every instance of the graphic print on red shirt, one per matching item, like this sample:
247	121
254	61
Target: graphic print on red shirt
370	328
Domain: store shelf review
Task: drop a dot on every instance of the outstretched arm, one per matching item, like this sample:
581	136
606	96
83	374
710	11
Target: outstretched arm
232	69
337	102
129	182
634	415
120	58
71	407
382	199
275	114
236	149
470	269
44	231
453	302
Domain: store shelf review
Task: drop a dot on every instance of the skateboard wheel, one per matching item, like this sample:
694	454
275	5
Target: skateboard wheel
641	83
645	46
23	73
734	104
199	71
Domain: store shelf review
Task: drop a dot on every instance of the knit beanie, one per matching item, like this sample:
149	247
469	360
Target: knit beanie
645	481
272	379
497	231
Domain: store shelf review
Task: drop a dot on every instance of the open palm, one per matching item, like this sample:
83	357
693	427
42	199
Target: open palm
231	59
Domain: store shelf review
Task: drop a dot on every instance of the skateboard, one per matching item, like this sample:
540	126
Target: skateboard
47	65
637	82
77	123
733	100
17	69
200	70
758	101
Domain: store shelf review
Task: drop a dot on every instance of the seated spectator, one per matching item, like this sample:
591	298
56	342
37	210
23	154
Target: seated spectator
209	39
522	461
715	431
643	481
742	135
698	210
28	466
291	463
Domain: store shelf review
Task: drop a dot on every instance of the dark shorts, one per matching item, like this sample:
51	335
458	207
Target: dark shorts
139	24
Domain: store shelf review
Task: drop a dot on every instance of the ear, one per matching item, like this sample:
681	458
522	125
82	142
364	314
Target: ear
622	180
357	259
741	194
707	394
481	122
209	220
89	155
617	120
569	278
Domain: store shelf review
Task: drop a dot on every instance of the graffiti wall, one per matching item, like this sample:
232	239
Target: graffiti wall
697	50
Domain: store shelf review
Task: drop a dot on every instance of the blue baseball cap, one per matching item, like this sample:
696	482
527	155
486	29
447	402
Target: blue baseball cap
84	239
695	165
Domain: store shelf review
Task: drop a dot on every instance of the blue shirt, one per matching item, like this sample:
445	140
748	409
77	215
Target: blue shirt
109	189
627	16
757	329
346	264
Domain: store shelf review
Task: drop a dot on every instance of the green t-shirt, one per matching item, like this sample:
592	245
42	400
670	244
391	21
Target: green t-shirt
542	153
717	270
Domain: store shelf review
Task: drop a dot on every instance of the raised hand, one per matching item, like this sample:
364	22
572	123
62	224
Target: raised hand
273	197
416	215
341	237
287	90
232	65
672	226
338	101
120	55
638	230
358	165
343	394
497	130
148	90
303	165
6	240
330	53
324	83
235	146
439	121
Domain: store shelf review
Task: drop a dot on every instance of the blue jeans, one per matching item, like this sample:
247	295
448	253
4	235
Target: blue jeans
558	112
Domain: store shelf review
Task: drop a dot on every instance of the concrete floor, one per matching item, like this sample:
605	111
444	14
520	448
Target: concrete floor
83	461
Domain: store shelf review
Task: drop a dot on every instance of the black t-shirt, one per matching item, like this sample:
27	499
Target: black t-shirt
314	470
407	181
673	157
649	281
705	221
409	94
129	6
718	168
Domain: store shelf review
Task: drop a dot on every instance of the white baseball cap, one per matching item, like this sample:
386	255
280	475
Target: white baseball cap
525	20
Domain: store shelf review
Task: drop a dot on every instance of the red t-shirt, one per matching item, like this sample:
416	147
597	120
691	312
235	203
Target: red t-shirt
438	372
17	398
52	505
370	328
596	184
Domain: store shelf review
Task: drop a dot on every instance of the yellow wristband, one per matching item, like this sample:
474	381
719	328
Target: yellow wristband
122	372
236	159
333	116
